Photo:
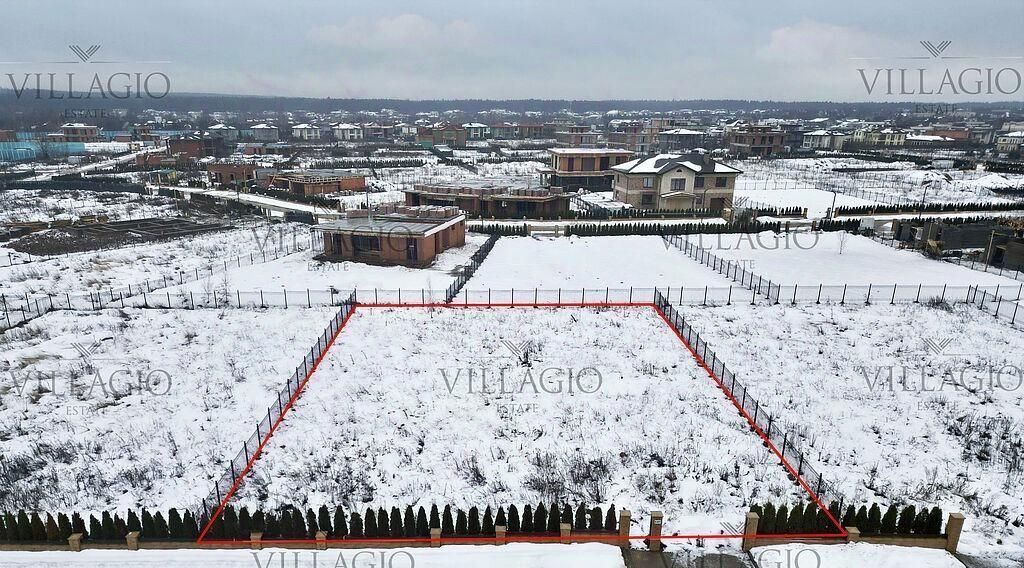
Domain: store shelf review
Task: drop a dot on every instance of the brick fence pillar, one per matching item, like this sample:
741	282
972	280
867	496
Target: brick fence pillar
655	535
750	531
132	540
435	538
256	541
852	534
564	533
954	526
75	542
624	520
321	540
499	534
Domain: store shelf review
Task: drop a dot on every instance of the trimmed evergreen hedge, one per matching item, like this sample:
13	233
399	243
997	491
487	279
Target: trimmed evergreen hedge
598	230
500	230
809	518
290	523
929	208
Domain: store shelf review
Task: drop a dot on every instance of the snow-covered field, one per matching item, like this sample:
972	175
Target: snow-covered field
510	174
20	205
806	258
394	416
100	270
590	262
199	380
944	430
514	555
816	202
301	272
854	555
899	181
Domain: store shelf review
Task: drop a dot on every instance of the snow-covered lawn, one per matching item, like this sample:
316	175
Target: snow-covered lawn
854	555
516	555
591	263
393	416
814	258
511	174
82	441
816	202
101	270
298	272
945	430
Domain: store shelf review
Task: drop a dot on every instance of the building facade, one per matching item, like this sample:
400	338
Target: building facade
675	181
583	168
406	236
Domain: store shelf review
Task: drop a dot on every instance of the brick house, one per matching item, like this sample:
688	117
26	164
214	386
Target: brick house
755	140
498	202
675	181
78	132
587	168
222	173
397	235
317	182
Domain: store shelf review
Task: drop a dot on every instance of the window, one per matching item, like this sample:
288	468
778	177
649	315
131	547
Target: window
648	182
588	164
698	182
647	199
361	243
679	184
698	199
721	181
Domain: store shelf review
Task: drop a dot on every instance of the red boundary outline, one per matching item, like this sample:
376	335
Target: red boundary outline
514	537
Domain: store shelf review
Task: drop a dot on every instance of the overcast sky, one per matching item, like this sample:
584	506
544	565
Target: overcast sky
582	49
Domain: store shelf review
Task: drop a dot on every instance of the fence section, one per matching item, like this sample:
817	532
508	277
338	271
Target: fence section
470	269
728	268
755	412
17	310
225	486
997	305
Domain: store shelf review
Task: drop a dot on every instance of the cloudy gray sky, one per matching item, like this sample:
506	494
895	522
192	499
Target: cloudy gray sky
584	49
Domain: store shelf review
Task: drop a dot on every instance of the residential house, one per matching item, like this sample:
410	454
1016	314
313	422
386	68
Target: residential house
442	134
633	135
587	168
347	132
499	202
1010	142
306	132
396	235
675	181
477	131
224	131
78	132
318	182
755	140
680	140
265	133
577	136
824	140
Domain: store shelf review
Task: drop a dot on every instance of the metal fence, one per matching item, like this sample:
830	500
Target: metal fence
20	309
251	447
470	269
728	268
756	413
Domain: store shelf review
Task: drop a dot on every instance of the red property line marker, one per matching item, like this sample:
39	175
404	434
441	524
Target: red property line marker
277	422
512	537
757	429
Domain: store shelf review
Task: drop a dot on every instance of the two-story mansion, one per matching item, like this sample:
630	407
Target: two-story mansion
675	181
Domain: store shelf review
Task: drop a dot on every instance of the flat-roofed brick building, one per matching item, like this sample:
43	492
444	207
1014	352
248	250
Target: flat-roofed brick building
588	168
499	202
395	235
317	182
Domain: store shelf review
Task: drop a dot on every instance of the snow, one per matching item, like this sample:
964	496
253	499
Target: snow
393	400
20	205
590	262
816	201
514	555
114	268
806	258
944	434
853	555
301	272
85	443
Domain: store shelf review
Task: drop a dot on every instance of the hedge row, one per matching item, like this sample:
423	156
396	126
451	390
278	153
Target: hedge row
500	230
31	527
290	523
929	208
809	518
598	230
